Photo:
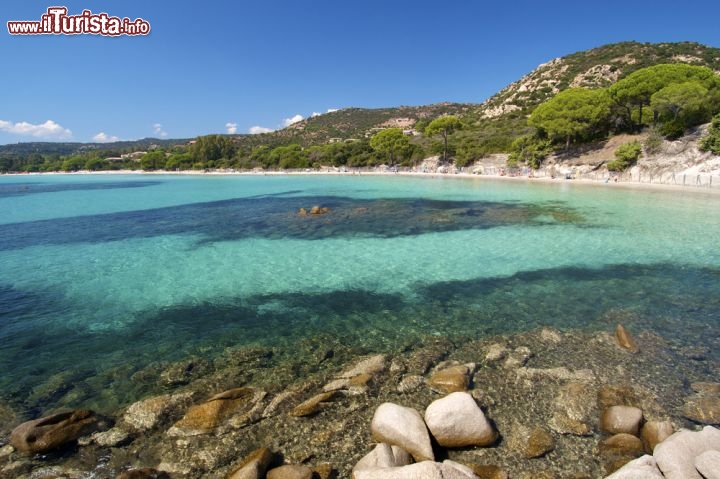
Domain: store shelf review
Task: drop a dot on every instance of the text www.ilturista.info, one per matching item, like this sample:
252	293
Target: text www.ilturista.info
57	22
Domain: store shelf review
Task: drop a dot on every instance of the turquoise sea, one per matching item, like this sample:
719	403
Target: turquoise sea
102	276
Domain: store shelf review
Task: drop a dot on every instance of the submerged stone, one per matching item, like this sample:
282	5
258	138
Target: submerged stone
621	419
313	405
452	378
253	466
290	471
655	432
702	409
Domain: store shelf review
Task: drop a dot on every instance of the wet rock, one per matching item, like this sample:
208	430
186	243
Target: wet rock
495	353
518	357
549	335
706	388
420	360
573	410
144	473
371	365
324	471
621	419
424	470
457	421
702	409
617	395
302	212
676	455
384	455
528	375
537	475
290	471
531	442
111	438
708	464
483	471
313	405
625	340
402	426
253	466
452	378
410	383
6	451
641	468
183	372
282	402
150	413
51	432
621	445
319	210
655	432
696	353
213	413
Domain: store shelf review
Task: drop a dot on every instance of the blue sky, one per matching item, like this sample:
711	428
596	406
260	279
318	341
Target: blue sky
232	66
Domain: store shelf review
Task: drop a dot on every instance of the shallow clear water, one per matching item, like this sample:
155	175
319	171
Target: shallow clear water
99	273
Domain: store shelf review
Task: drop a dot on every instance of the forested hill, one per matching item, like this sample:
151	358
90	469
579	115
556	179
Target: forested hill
595	68
342	137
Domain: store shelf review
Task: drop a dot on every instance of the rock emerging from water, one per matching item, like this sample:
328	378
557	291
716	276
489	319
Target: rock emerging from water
655	432
457	421
52	432
290	471
404	427
621	419
676	455
625	340
453	378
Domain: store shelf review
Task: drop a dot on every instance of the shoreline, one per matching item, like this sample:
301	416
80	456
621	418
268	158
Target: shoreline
622	183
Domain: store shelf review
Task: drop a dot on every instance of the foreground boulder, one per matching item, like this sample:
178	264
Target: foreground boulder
457	421
404	427
51	432
708	464
421	470
676	455
384	455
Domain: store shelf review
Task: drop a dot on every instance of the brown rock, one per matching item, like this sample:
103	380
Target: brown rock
625	340
621	445
319	210
531	443
655	432
144	473
621	419
616	395
703	409
488	471
302	212
51	432
204	418
451	379
290	471
312	405
253	466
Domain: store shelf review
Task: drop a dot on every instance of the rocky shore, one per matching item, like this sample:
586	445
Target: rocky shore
541	404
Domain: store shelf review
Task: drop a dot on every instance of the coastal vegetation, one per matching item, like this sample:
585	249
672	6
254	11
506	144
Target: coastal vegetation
663	89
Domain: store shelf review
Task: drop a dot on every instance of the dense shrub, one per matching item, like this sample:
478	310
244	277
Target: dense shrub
625	156
711	141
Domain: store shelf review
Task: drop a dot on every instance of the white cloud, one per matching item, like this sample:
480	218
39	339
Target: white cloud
256	130
231	128
46	130
103	137
157	127
314	114
330	110
295	119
